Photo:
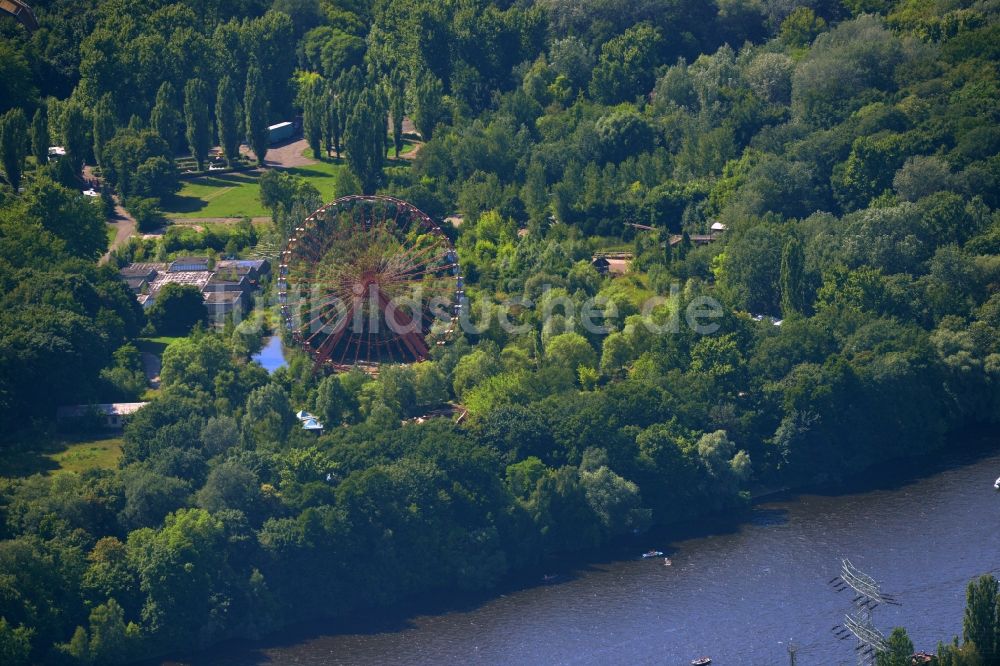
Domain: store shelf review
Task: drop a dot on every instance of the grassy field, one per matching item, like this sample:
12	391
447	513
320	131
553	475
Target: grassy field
408	147
94	454
238	195
71	455
154	345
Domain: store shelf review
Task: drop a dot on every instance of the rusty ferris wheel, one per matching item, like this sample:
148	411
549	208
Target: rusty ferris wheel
366	280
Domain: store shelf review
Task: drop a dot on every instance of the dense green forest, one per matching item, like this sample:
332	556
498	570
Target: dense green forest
851	148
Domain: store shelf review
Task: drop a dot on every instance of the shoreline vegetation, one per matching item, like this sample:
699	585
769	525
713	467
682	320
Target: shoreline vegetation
880	476
820	179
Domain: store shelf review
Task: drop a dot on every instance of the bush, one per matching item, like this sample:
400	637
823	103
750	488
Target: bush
146	213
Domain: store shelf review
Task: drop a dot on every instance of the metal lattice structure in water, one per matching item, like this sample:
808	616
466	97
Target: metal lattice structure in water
860	623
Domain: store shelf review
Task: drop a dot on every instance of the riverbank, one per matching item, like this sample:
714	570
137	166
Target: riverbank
873	522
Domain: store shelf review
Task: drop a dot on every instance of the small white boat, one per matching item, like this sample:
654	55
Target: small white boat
667	562
701	661
652	553
996	484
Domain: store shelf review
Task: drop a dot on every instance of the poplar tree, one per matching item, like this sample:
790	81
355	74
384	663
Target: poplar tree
104	128
74	125
365	140
40	136
227	118
397	108
346	90
332	127
165	119
792	268
429	109
13	145
198	120
256	108
314	117
979	626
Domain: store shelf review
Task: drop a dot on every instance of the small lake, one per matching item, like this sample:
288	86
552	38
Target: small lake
272	354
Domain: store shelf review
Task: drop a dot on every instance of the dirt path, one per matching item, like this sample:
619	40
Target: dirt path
411	134
413	153
151	364
285	156
122	222
125	226
198	221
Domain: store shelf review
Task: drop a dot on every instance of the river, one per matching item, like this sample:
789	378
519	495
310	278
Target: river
738	595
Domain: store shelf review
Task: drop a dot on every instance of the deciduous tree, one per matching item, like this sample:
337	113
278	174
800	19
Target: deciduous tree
40	136
365	140
104	128
429	109
397	108
177	309
792	278
980	623
13	145
314	116
197	120
75	140
256	107
227	119
165	118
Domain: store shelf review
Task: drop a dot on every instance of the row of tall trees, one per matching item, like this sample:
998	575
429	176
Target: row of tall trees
233	117
350	115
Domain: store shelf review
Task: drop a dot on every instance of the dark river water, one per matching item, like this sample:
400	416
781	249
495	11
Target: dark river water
739	595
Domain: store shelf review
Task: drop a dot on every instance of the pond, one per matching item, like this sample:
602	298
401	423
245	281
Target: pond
272	354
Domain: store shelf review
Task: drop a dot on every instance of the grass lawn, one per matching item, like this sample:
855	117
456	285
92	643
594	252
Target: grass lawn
112	231
238	195
408	147
94	454
66	455
155	345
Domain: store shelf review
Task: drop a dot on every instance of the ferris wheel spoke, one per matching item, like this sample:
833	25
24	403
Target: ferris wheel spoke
324	310
415	257
399	348
326	347
411	340
406	277
343	353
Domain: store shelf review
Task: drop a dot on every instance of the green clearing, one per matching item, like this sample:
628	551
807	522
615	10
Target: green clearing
408	147
238	194
111	231
154	345
67	455
93	454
